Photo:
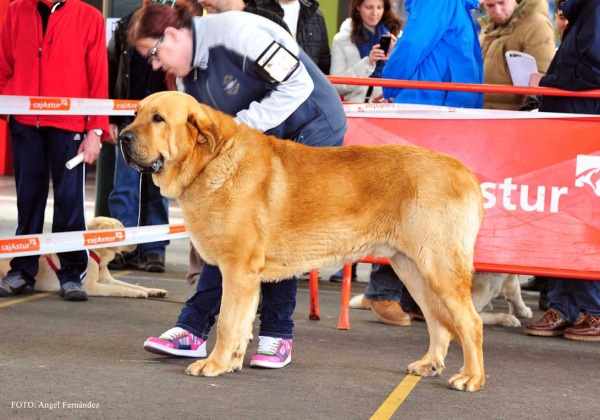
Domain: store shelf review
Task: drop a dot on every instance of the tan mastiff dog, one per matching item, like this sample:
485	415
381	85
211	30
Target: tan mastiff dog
263	209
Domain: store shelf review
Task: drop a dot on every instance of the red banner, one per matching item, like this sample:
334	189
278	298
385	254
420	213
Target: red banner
540	179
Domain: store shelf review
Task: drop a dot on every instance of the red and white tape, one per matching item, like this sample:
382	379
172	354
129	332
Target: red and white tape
25	105
20	246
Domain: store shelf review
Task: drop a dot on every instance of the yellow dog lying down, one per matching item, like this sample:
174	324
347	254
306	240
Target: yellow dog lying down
263	209
98	280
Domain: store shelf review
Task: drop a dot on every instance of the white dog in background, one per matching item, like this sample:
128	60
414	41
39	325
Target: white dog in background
486	287
98	280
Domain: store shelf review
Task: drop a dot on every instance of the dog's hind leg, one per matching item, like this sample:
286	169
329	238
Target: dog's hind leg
432	364
238	304
449	277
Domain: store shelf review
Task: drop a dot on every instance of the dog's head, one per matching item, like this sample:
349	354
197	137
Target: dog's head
172	137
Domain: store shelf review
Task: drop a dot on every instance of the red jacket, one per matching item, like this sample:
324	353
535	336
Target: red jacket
69	61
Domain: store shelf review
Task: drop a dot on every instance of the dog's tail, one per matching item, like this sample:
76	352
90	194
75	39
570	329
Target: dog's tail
357	302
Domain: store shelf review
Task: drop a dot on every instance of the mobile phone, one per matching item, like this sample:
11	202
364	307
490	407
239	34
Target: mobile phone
384	43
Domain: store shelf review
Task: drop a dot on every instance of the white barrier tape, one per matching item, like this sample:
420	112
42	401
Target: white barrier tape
21	246
430	112
25	105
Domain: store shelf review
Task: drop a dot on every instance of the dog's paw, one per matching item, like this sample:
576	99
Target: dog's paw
524	312
511	321
205	368
463	382
425	368
158	293
140	294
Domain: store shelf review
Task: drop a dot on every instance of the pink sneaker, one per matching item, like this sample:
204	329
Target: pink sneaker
272	353
176	342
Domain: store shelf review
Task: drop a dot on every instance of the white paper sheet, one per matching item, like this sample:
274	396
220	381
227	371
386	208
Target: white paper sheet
521	66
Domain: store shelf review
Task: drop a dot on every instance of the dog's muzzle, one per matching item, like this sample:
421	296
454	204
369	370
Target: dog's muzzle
127	138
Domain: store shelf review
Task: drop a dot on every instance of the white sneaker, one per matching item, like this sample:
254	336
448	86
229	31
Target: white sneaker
177	342
272	353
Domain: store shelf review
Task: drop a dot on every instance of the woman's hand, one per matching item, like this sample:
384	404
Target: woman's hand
534	79
392	45
379	99
376	55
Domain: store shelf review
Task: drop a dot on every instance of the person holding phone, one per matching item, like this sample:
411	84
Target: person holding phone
362	46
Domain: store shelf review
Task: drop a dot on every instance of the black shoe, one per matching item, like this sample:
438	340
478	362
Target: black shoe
155	263
337	277
73	292
531	285
123	261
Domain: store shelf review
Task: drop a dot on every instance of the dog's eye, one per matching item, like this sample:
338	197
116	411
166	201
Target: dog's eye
157	118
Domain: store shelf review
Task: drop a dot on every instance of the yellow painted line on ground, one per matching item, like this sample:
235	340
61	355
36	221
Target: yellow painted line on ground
392	403
26	299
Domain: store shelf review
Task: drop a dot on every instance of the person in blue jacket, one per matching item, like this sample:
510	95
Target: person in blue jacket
252	69
439	44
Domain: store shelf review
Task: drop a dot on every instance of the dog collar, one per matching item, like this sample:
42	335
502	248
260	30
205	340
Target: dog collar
51	263
95	257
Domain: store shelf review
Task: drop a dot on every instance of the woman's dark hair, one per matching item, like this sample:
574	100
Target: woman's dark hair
389	19
150	21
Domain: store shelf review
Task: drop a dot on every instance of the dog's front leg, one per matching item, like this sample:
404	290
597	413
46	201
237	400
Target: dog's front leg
511	289
238	308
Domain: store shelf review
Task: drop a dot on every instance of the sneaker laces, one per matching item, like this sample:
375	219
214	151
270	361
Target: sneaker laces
267	345
173	333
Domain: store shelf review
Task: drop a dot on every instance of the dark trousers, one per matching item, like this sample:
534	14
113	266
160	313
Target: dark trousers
40	155
276	308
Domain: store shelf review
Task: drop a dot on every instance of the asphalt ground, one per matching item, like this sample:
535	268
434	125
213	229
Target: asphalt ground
84	360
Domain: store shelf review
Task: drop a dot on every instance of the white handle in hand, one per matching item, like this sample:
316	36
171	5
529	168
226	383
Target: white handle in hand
75	161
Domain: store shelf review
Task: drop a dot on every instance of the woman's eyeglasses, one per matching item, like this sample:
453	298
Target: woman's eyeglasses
153	56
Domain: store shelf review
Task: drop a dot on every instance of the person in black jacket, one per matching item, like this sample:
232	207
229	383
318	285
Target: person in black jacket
575	67
307	25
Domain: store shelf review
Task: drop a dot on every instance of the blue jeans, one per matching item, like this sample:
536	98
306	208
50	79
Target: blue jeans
276	308
384	284
40	154
568	297
136	201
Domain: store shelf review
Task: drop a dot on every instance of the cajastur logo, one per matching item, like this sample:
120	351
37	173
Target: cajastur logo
49	104
101	238
587	171
123	105
19	245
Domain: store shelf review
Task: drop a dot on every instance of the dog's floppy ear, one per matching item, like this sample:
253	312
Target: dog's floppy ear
202	128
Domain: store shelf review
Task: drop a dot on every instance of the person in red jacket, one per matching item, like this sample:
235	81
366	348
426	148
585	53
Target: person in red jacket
54	49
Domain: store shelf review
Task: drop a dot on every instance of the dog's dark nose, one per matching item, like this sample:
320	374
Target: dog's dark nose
126	137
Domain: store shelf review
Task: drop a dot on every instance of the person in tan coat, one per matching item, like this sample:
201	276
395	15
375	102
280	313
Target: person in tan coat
517	25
